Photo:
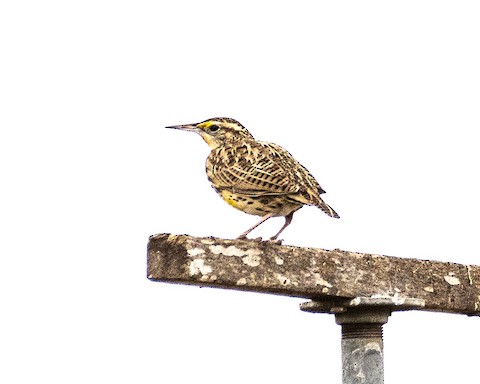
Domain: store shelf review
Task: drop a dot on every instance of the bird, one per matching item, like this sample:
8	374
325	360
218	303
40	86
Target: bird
256	177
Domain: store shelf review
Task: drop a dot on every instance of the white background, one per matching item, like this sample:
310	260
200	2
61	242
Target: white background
379	100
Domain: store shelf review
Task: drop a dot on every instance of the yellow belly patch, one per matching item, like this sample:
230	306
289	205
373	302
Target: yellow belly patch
231	199
260	206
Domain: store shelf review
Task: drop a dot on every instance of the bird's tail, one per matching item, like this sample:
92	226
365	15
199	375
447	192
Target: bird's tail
327	209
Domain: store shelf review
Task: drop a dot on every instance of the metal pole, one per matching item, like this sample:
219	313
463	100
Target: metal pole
362	320
362	345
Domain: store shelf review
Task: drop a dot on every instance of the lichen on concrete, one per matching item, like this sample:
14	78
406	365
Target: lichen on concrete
232	250
195	251
251	260
197	266
452	280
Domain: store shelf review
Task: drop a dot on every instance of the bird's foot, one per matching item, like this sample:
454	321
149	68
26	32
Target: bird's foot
244	237
276	241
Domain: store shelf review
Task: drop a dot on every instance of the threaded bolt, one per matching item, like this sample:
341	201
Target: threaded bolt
362	331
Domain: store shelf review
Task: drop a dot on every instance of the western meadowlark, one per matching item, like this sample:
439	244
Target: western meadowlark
253	176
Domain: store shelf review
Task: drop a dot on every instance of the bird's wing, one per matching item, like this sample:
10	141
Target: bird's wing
260	168
309	190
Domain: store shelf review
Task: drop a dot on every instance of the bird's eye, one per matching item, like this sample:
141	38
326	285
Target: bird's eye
213	128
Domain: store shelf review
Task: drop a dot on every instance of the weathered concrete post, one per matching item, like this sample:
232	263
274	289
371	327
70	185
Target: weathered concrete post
361	290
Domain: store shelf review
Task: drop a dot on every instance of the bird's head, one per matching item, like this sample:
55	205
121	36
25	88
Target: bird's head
217	131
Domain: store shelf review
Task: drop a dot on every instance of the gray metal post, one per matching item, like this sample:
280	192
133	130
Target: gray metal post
362	320
362	345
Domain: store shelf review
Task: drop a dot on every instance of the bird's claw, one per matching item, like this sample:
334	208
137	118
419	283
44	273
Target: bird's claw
275	241
244	237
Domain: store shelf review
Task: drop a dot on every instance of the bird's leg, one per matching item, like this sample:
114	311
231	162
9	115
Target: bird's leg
264	218
288	220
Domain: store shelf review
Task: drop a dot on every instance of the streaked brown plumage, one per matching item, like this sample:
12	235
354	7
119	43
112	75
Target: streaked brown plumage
256	177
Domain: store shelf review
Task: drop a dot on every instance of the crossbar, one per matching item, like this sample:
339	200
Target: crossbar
317	274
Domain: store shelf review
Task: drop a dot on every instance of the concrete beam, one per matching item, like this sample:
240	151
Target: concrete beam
317	274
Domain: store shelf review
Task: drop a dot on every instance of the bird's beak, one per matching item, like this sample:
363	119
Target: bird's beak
185	127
